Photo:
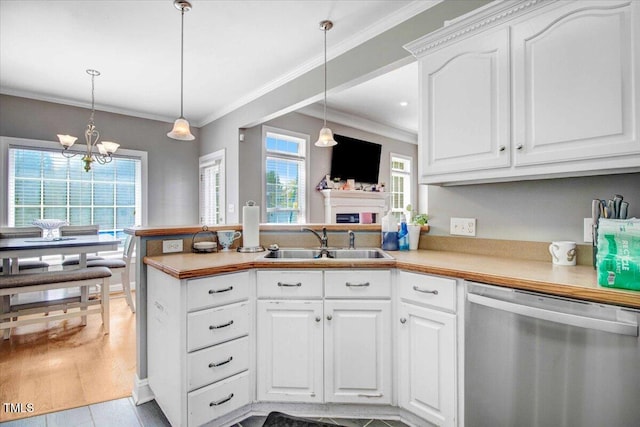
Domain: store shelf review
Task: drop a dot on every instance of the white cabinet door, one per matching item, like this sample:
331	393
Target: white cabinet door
576	95
427	363
357	351
464	118
289	351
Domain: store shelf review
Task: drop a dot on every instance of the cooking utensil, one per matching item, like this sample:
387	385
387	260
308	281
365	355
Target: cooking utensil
617	202
611	211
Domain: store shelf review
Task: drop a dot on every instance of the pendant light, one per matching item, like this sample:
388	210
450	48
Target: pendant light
181	129
325	139
91	137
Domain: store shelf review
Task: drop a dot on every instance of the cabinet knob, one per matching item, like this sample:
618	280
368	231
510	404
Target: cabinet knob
329	317
502	148
403	320
519	147
318	318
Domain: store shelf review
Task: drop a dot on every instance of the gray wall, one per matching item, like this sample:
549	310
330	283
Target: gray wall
541	210
382	52
172	165
319	158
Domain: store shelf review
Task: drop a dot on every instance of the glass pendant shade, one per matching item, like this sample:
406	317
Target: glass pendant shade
181	130
110	147
325	139
67	140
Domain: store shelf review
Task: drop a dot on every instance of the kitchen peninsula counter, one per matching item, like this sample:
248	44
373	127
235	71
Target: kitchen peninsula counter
575	282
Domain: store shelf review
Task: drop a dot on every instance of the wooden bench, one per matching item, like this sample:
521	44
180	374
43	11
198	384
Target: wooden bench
82	278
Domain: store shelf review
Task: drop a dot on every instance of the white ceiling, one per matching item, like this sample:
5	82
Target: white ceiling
234	52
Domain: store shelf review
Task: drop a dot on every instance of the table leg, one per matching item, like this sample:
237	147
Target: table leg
84	298
5	266
82	261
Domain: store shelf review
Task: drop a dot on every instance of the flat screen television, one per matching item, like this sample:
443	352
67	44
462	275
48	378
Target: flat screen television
355	159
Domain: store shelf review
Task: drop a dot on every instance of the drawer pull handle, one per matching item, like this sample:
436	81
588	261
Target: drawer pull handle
425	291
215	365
329	317
220	402
290	285
221	326
403	320
357	285
212	291
370	395
502	148
318	318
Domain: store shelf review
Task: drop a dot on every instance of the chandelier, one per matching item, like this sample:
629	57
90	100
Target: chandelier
181	129
325	139
91	135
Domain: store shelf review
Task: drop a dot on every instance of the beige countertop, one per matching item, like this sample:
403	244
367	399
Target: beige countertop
541	276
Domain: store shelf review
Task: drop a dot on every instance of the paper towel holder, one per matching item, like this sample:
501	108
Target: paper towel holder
250	249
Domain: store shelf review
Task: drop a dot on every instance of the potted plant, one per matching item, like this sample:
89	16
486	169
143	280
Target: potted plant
417	221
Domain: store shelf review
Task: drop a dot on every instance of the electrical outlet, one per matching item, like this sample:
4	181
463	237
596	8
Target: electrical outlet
463	226
170	246
588	230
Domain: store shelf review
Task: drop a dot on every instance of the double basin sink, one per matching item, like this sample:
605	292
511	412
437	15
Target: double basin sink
310	254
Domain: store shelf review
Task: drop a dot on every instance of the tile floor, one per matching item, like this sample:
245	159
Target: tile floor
124	413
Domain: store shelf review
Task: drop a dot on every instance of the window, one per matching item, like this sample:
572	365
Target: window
45	184
284	176
212	188
400	184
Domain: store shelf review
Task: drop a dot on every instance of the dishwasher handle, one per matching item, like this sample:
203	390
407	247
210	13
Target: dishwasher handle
622	328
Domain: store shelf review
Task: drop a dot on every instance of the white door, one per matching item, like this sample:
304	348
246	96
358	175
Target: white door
289	351
357	351
576	96
427	363
464	98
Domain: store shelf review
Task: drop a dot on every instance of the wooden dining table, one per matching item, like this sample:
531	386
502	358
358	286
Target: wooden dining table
12	249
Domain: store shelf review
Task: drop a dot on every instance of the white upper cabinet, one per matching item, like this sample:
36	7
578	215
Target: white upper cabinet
573	83
465	100
531	89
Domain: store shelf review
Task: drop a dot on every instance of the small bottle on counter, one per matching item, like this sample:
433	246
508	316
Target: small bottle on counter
403	234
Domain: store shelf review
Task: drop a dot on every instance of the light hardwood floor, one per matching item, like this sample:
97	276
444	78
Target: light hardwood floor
61	365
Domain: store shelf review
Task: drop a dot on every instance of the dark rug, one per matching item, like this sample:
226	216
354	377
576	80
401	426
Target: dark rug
278	419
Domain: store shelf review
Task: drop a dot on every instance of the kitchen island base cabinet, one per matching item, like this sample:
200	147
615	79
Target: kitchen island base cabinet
289	351
357	351
427	347
197	348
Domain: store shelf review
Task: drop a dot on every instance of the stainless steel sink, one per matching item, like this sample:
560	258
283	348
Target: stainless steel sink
290	253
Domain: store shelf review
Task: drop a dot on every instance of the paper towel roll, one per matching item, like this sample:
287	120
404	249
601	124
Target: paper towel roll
250	225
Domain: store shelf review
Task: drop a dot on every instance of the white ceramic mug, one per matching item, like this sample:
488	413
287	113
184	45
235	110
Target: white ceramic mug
226	238
563	253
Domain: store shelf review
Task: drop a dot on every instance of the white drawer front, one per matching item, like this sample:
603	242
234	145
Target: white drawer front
435	291
283	284
218	399
357	284
217	325
221	361
217	290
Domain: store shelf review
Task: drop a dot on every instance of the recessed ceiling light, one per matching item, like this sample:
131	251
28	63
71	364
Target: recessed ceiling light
404	103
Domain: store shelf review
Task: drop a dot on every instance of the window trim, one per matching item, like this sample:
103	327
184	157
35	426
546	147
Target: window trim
408	175
10	142
204	162
307	168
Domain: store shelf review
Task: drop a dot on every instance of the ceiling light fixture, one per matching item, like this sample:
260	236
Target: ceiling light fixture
181	129
403	103
325	139
91	135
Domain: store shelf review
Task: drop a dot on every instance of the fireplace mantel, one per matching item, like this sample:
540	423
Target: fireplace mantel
353	202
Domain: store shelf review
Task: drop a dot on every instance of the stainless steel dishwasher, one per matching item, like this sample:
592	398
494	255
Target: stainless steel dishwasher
537	360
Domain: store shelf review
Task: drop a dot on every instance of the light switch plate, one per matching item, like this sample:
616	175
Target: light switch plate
170	246
463	226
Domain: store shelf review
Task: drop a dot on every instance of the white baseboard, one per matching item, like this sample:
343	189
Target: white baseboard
141	392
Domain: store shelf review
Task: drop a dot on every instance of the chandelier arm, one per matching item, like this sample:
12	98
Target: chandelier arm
69	154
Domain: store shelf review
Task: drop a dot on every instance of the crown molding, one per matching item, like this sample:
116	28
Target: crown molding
467	25
357	122
390	21
80	104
